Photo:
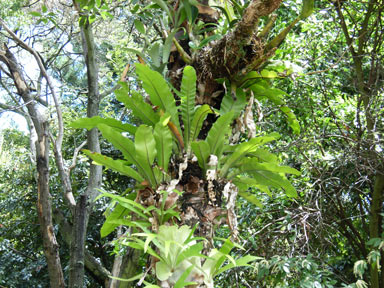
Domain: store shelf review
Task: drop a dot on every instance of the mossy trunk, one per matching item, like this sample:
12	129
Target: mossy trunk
374	225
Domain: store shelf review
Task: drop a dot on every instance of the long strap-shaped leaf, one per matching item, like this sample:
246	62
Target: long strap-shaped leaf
198	119
201	150
254	164
188	94
274	180
145	147
276	96
116	165
164	145
158	91
90	123
230	104
118	213
126	147
217	133
245	148
138	107
269	174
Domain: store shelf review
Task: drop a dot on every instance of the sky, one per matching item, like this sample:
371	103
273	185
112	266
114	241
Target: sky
10	119
13	120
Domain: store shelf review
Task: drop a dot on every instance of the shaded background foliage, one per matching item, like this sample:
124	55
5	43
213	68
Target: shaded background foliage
312	241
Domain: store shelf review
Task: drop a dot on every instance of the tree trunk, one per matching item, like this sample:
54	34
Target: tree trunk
51	247
76	273
97	270
95	173
44	206
374	225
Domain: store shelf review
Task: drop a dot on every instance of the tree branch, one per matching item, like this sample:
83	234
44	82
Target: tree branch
39	61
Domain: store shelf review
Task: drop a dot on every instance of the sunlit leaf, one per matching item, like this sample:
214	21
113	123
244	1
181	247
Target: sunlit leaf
90	123
158	91
187	94
218	132
116	165
198	120
235	105
164	145
138	106
201	150
145	149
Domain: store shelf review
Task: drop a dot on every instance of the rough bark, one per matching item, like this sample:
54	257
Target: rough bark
125	266
51	247
76	272
130	267
116	266
96	269
375	219
95	173
231	57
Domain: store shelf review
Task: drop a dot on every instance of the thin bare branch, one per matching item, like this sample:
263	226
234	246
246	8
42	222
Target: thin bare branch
59	139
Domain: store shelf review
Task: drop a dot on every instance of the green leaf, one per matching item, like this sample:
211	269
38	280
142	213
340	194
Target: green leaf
138	106
191	251
276	97
188	94
209	39
127	203
218	132
108	227
254	164
163	271
241	262
180	283
35	13
90	123
307	10
292	120
139	26
158	91
151	286
137	277
188	10
229	104
268	74
145	147
213	263
272	179
148	241
154	53
92	19
243	183
250	198
264	155
137	52
244	148
201	150
126	147
116	165
164	145
198	120
163	5
167	46
128	223
268	174
217	258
